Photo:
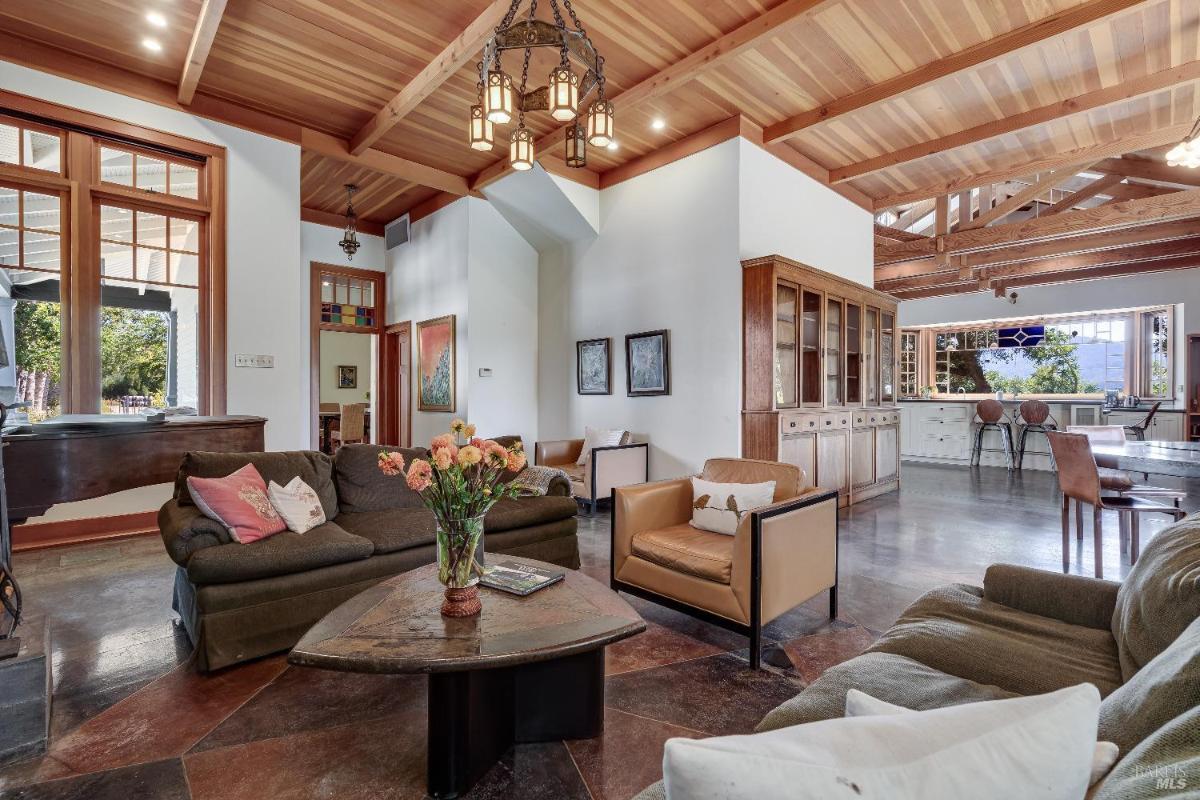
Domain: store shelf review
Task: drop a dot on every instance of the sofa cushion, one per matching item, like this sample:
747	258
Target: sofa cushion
1155	694
524	512
1160	597
686	549
953	629
281	554
362	486
1165	765
390	531
894	679
315	469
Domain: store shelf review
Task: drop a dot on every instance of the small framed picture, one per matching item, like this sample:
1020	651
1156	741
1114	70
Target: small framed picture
647	364
594	373
347	377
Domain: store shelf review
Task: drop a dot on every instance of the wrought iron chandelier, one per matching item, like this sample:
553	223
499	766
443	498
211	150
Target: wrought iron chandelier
500	99
349	242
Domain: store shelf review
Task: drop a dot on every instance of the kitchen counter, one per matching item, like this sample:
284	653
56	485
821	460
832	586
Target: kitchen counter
1165	408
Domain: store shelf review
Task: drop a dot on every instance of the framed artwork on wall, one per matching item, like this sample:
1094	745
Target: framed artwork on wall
347	377
594	367
436	364
647	364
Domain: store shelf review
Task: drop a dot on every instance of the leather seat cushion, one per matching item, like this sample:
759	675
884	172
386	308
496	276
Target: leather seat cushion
281	554
683	548
1114	480
391	531
526	512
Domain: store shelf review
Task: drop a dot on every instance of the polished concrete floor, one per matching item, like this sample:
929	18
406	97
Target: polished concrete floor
132	719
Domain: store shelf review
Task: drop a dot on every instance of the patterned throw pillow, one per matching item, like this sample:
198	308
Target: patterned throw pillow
298	504
719	507
239	502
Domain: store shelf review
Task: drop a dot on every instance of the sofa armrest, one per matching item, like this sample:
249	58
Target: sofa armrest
645	507
185	530
1073	599
620	465
558	452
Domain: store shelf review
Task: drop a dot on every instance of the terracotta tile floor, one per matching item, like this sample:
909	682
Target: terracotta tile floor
133	721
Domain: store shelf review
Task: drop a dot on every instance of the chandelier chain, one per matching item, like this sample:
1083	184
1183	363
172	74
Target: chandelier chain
525	76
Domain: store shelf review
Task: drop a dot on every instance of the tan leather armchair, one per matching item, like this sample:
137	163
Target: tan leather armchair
605	469
782	554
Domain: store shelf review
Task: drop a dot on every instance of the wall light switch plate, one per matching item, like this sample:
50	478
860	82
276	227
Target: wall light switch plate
484	372
258	362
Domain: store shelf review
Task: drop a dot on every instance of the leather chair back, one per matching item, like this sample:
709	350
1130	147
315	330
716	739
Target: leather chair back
990	410
1144	424
1078	476
1034	412
788	477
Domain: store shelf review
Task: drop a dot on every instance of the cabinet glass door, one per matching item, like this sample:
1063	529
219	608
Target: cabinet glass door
887	357
909	342
871	356
834	330
854	356
786	296
810	343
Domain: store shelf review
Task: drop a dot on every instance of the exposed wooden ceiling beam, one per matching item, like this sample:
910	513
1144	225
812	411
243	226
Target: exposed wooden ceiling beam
1122	92
1091	154
460	52
338	221
1101	184
202	40
1131	213
339	149
732	44
896	234
987	50
1148	170
918	210
1134	191
1040	185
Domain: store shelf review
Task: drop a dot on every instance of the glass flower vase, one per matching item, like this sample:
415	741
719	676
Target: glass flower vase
460	563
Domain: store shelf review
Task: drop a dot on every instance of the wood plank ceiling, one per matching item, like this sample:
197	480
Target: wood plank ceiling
896	101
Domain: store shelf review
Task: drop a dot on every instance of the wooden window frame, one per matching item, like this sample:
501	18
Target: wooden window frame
83	133
24	124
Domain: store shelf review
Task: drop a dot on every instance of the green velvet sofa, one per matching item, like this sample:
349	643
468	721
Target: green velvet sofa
242	601
1027	631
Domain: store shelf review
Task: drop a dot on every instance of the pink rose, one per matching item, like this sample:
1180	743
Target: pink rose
442	459
420	475
469	456
391	463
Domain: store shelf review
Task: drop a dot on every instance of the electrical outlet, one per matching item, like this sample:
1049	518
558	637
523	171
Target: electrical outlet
255	361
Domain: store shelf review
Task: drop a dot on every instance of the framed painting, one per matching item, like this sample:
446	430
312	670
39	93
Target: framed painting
647	364
347	377
436	364
594	367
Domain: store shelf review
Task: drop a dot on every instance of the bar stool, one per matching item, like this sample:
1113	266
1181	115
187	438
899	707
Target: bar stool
1079	480
1034	414
991	417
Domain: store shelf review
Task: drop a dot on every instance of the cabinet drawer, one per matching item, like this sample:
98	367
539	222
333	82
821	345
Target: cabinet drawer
838	420
950	411
798	423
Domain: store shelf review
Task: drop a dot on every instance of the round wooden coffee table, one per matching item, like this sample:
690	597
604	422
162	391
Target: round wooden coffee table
528	669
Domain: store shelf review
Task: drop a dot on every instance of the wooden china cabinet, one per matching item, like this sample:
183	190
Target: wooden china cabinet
819	375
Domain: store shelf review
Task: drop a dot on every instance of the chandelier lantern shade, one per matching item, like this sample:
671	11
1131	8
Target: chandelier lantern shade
498	97
483	135
564	94
600	124
349	242
520	149
576	154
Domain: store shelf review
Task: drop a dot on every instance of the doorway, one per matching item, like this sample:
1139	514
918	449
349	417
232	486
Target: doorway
398	378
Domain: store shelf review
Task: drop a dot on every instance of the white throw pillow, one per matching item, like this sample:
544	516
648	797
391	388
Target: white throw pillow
1036	748
719	507
861	704
597	437
297	504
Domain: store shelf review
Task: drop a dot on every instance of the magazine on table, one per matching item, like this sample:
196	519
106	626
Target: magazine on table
517	578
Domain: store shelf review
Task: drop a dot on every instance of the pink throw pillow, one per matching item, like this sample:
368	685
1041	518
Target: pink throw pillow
240	503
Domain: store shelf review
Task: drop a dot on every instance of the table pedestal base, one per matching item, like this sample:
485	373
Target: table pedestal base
475	716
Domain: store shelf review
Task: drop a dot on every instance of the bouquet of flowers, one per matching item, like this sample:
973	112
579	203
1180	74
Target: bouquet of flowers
460	481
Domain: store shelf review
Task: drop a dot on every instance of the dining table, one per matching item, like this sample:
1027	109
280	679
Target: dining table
327	421
1176	459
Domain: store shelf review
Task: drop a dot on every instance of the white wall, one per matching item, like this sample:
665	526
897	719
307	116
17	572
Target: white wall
320	243
1180	287
785	212
342	348
666	257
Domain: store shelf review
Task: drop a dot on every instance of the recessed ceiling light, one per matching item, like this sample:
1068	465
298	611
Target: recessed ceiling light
156	19
613	145
658	124
152	45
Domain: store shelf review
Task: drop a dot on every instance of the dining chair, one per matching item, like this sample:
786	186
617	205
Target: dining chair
352	425
990	416
1139	429
1116	480
1036	418
1079	480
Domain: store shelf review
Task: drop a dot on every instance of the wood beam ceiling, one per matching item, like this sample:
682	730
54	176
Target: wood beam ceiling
895	234
1040	186
1101	184
1045	28
339	149
1100	98
202	41
460	52
1148	170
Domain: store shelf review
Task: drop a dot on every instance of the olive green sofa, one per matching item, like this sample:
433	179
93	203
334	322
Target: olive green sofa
242	601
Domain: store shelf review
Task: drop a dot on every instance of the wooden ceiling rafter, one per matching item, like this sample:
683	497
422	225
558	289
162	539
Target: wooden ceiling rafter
987	50
201	45
1149	170
1073	199
339	149
1039	185
457	54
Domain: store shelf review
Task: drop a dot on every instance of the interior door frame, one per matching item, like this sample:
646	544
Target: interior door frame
383	403
399	391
